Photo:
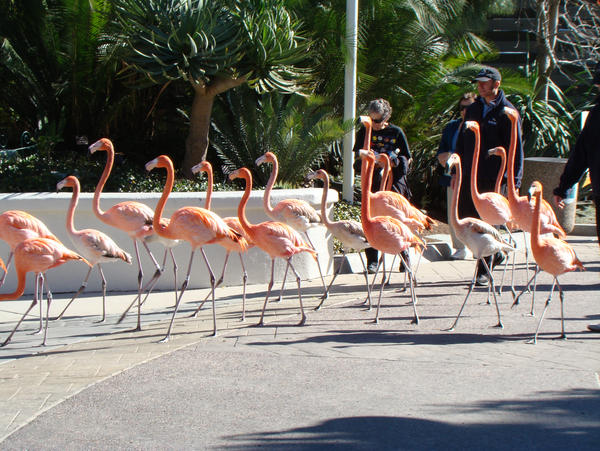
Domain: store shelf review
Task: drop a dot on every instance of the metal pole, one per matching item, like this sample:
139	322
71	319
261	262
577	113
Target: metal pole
350	95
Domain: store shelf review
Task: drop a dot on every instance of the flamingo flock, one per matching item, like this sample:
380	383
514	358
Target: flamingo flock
389	223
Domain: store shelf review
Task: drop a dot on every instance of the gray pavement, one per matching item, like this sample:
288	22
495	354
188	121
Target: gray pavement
340	381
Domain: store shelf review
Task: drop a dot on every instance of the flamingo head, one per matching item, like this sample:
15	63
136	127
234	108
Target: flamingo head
71	180
366	155
473	126
511	113
382	159
268	157
101	144
453	160
203	166
241	173
319	174
161	161
366	121
534	188
499	151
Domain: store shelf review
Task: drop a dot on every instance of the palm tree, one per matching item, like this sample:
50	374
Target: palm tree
299	130
212	45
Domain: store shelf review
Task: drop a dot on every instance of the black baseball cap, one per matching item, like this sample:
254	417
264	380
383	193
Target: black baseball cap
487	74
596	79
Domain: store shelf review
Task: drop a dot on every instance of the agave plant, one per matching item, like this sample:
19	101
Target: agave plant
212	45
298	130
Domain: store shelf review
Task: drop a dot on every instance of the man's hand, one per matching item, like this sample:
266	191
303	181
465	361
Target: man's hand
443	158
559	202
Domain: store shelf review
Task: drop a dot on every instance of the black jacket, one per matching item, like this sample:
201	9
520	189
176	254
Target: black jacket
586	154
392	141
495	130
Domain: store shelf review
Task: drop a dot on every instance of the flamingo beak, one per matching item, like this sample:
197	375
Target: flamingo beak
151	164
94	147
197	168
60	185
260	160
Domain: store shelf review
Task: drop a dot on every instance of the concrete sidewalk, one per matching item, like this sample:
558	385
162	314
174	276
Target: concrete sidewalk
340	381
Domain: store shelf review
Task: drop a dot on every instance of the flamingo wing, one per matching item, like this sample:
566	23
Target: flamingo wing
96	246
131	217
298	213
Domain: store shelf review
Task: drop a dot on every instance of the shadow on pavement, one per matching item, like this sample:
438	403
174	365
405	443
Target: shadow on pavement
566	420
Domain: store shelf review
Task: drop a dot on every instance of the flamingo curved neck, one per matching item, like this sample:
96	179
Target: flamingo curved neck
536	224
368	132
385	175
270	183
324	216
242	205
367	174
512	150
209	187
498	184
156	223
22	277
110	158
454	219
71	212
475	194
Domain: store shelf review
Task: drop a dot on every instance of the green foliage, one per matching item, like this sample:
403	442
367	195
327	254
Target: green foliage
298	130
200	40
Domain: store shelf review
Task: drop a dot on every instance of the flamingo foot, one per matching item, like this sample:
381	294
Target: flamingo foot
214	334
261	323
499	325
415	320
562	337
302	321
532	341
165	340
450	329
100	321
376	321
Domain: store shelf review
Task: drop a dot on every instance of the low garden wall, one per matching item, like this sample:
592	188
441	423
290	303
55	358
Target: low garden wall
51	208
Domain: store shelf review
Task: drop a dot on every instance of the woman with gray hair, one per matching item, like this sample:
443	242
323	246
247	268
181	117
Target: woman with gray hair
389	139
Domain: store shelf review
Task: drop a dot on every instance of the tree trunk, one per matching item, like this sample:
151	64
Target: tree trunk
547	27
196	144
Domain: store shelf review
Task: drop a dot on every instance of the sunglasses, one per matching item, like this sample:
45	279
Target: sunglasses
377	121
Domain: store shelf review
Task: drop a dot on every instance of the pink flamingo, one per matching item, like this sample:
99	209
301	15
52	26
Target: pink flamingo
391	203
232	246
492	206
37	255
296	213
133	218
275	238
385	233
17	226
348	232
481	238
520	207
195	225
95	246
552	255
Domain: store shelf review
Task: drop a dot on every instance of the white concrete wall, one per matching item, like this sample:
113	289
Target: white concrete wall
51	208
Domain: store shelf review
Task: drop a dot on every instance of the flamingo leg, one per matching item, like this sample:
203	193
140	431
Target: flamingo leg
184	286
103	280
33	303
48	302
413	296
148	288
10	256
335	274
493	289
516	301
40	296
280	298
451	328
382	263
303	318
366	274
81	290
269	287
534	340
325	290
219	282
387	283
175	268
244	280
212	290
563	335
